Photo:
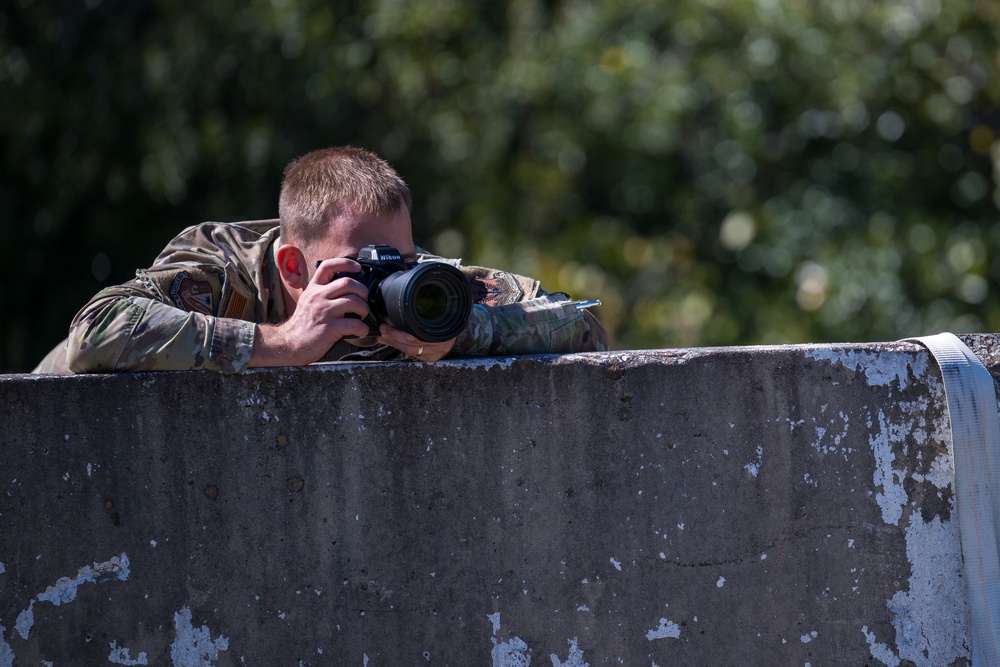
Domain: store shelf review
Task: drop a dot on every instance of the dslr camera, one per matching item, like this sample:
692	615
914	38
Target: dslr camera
430	300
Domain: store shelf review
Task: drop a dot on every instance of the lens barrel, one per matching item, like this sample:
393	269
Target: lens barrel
432	301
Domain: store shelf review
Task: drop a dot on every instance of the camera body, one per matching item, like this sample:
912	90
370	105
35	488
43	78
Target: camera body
429	300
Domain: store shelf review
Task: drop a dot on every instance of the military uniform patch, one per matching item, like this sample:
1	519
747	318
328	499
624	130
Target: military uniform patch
238	303
194	296
497	289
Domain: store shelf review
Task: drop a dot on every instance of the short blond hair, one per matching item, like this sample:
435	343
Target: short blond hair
322	183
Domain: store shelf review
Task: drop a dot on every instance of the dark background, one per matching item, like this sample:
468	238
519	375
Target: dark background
716	172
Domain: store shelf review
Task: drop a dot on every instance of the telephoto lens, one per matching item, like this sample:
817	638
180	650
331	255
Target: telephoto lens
432	301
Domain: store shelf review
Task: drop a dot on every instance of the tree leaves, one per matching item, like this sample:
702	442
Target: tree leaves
724	172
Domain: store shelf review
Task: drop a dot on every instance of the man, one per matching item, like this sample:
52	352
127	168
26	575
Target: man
232	296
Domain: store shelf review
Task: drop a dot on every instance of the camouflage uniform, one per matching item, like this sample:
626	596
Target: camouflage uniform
197	306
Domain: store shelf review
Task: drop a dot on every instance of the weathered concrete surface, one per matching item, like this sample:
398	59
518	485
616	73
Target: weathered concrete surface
788	505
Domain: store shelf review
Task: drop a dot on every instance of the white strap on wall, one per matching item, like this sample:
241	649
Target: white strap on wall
975	434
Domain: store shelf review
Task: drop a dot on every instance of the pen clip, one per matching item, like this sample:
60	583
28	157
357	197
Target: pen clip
582	304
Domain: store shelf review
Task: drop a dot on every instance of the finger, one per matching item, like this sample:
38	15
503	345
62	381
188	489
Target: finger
409	349
433	352
344	287
335	289
349	304
418	350
392	333
412	346
437	351
328	268
351	327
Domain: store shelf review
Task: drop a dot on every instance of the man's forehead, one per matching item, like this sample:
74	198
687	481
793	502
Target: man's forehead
351	232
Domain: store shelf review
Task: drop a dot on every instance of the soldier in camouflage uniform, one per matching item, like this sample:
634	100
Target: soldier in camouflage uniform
232	296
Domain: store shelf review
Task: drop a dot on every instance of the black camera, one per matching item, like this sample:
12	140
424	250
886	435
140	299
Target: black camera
430	300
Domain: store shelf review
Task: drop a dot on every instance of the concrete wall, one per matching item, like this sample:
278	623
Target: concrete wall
787	505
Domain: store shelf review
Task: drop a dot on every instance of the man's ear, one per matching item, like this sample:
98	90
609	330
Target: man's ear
292	266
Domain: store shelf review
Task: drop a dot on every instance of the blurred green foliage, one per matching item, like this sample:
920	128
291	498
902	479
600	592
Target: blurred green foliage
716	171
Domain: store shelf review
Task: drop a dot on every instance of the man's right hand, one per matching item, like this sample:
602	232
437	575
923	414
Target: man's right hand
318	320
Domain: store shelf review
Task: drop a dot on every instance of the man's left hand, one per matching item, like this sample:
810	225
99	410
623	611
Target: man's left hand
412	346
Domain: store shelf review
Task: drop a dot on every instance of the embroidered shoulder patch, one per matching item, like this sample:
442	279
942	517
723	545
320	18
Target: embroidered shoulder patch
237	308
496	289
194	296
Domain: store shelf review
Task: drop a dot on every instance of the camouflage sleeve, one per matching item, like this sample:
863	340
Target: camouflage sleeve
125	329
546	324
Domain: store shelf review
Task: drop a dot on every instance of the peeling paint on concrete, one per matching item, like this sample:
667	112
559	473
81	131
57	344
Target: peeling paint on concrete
573	659
120	656
893	497
667	630
194	647
880	369
753	467
64	590
942	472
880	651
512	653
930	618
6	652
484	363
838	431
25	621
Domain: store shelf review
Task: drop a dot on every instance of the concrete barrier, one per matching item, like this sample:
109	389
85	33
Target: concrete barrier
780	506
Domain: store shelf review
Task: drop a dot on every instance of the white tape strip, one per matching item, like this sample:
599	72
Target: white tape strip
975	434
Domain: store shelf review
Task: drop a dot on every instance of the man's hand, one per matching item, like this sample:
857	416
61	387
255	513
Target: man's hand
412	346
318	321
